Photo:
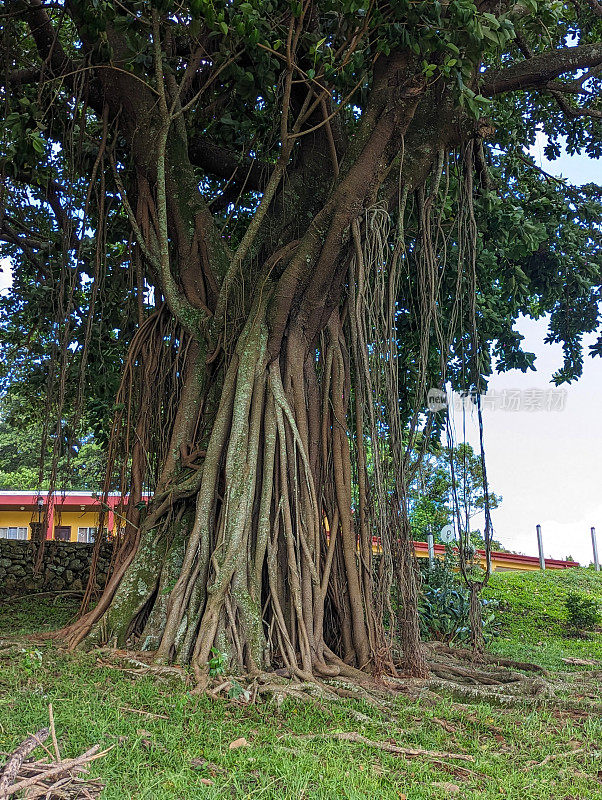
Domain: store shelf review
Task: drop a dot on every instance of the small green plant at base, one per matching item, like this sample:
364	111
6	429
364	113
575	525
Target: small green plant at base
167	589
238	692
31	661
217	663
582	611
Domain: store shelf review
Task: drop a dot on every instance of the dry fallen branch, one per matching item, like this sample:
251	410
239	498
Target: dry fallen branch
13	765
60	778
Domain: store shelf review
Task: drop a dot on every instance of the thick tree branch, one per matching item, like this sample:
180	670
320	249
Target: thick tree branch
578	86
66	224
56	61
22	237
311	279
21	77
558	89
28	244
222	163
536	72
572	111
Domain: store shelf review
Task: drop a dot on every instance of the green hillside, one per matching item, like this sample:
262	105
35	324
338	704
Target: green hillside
533	615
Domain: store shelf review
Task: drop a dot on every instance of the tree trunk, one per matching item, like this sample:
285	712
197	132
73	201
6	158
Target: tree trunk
262	561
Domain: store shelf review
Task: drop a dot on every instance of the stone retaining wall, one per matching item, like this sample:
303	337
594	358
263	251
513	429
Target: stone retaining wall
66	565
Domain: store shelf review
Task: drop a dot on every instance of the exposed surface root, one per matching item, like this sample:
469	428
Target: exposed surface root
317	692
138	665
436	757
495	695
485	658
488	678
498	681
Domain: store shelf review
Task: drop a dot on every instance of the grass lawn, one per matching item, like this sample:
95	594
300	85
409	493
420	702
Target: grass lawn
184	753
534	619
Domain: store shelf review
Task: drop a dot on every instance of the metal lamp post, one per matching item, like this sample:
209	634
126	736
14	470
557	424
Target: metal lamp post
542	561
595	549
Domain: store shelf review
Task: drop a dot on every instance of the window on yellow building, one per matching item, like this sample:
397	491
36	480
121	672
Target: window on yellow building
86	534
13	533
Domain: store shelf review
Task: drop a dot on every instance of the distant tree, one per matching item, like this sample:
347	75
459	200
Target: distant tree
431	493
478	541
80	466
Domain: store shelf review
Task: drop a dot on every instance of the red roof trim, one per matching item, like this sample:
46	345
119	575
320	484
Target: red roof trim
510	557
59	499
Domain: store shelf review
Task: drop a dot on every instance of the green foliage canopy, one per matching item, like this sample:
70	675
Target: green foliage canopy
509	71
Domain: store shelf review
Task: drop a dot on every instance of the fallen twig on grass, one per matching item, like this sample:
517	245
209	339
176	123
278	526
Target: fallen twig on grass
53	732
55	779
410	752
456	769
553	756
143	713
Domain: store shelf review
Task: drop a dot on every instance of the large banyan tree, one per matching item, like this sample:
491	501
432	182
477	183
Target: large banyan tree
247	237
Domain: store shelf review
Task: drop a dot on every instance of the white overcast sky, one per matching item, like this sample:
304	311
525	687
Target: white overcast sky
545	464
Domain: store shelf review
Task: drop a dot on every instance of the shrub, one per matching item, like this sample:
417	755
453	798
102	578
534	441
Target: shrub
582	611
444	604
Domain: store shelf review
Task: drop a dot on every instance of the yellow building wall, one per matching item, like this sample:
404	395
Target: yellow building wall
89	519
74	519
504	566
16	519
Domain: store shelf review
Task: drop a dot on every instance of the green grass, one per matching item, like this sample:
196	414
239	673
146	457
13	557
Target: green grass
34	614
161	759
534	626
